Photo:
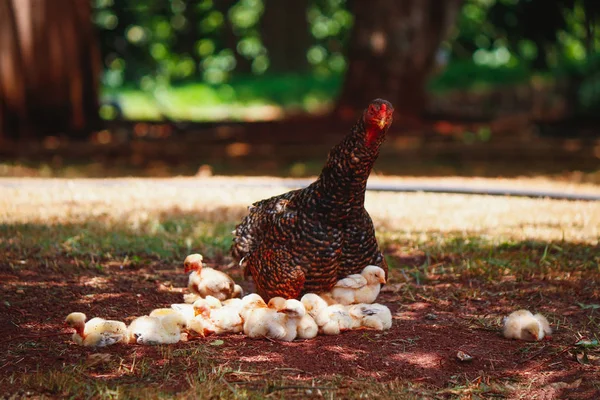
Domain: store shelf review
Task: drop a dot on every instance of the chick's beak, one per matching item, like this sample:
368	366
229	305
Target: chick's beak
382	280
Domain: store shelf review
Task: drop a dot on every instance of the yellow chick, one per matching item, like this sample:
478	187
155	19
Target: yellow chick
183	309
235	303
375	316
297	320
148	330
219	320
331	319
199	323
162	312
359	288
96	332
523	325
260	321
205	281
187	310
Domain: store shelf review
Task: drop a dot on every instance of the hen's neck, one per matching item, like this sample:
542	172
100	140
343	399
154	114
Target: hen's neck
342	183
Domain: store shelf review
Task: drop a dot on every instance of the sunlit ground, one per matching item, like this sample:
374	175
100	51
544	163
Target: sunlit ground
181	207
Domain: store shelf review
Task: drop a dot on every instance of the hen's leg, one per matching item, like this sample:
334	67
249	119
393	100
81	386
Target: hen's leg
275	274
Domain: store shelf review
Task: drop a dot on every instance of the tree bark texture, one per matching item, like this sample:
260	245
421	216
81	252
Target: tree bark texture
285	34
392	51
49	68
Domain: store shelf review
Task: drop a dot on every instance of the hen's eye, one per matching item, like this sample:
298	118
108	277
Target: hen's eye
372	109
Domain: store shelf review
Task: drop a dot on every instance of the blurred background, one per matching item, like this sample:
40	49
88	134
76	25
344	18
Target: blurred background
255	87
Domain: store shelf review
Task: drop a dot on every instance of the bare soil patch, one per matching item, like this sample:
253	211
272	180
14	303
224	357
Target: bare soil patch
432	322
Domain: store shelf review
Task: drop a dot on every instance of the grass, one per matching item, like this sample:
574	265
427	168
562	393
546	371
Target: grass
442	250
242	99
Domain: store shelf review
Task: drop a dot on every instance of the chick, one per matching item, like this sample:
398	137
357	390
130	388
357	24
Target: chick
205	281
187	310
235	303
331	319
260	321
96	332
297	320
199	323
219	320
523	325
157	330
376	316
359	288
307	327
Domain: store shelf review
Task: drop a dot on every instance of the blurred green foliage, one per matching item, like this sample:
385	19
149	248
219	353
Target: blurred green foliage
176	57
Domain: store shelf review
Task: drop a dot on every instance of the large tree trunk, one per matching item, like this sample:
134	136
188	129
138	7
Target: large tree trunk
285	34
49	68
392	51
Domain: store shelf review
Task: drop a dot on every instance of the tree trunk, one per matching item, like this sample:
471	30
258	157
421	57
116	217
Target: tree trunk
392	51
285	34
50	45
12	96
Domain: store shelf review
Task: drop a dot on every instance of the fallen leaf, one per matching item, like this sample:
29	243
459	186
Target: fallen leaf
216	342
587	343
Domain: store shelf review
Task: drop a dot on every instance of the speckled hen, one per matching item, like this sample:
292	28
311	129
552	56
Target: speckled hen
306	240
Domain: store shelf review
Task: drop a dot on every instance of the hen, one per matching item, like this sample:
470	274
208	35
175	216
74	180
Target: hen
306	240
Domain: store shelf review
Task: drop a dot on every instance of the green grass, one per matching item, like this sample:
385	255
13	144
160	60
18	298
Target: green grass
252	97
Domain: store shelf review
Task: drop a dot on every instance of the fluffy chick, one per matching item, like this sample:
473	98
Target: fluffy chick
148	330
359	288
187	310
205	281
96	332
260	321
199	323
219	320
375	316
297	319
523	325
331	319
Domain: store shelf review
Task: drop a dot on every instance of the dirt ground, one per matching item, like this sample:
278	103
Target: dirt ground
433	321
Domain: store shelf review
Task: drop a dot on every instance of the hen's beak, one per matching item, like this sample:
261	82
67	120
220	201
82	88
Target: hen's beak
382	123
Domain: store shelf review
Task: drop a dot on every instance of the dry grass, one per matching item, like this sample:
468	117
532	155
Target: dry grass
183	209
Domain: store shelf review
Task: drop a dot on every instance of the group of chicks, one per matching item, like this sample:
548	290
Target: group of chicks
216	305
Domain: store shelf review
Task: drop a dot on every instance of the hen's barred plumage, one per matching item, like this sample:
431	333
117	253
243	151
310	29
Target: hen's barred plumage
306	240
